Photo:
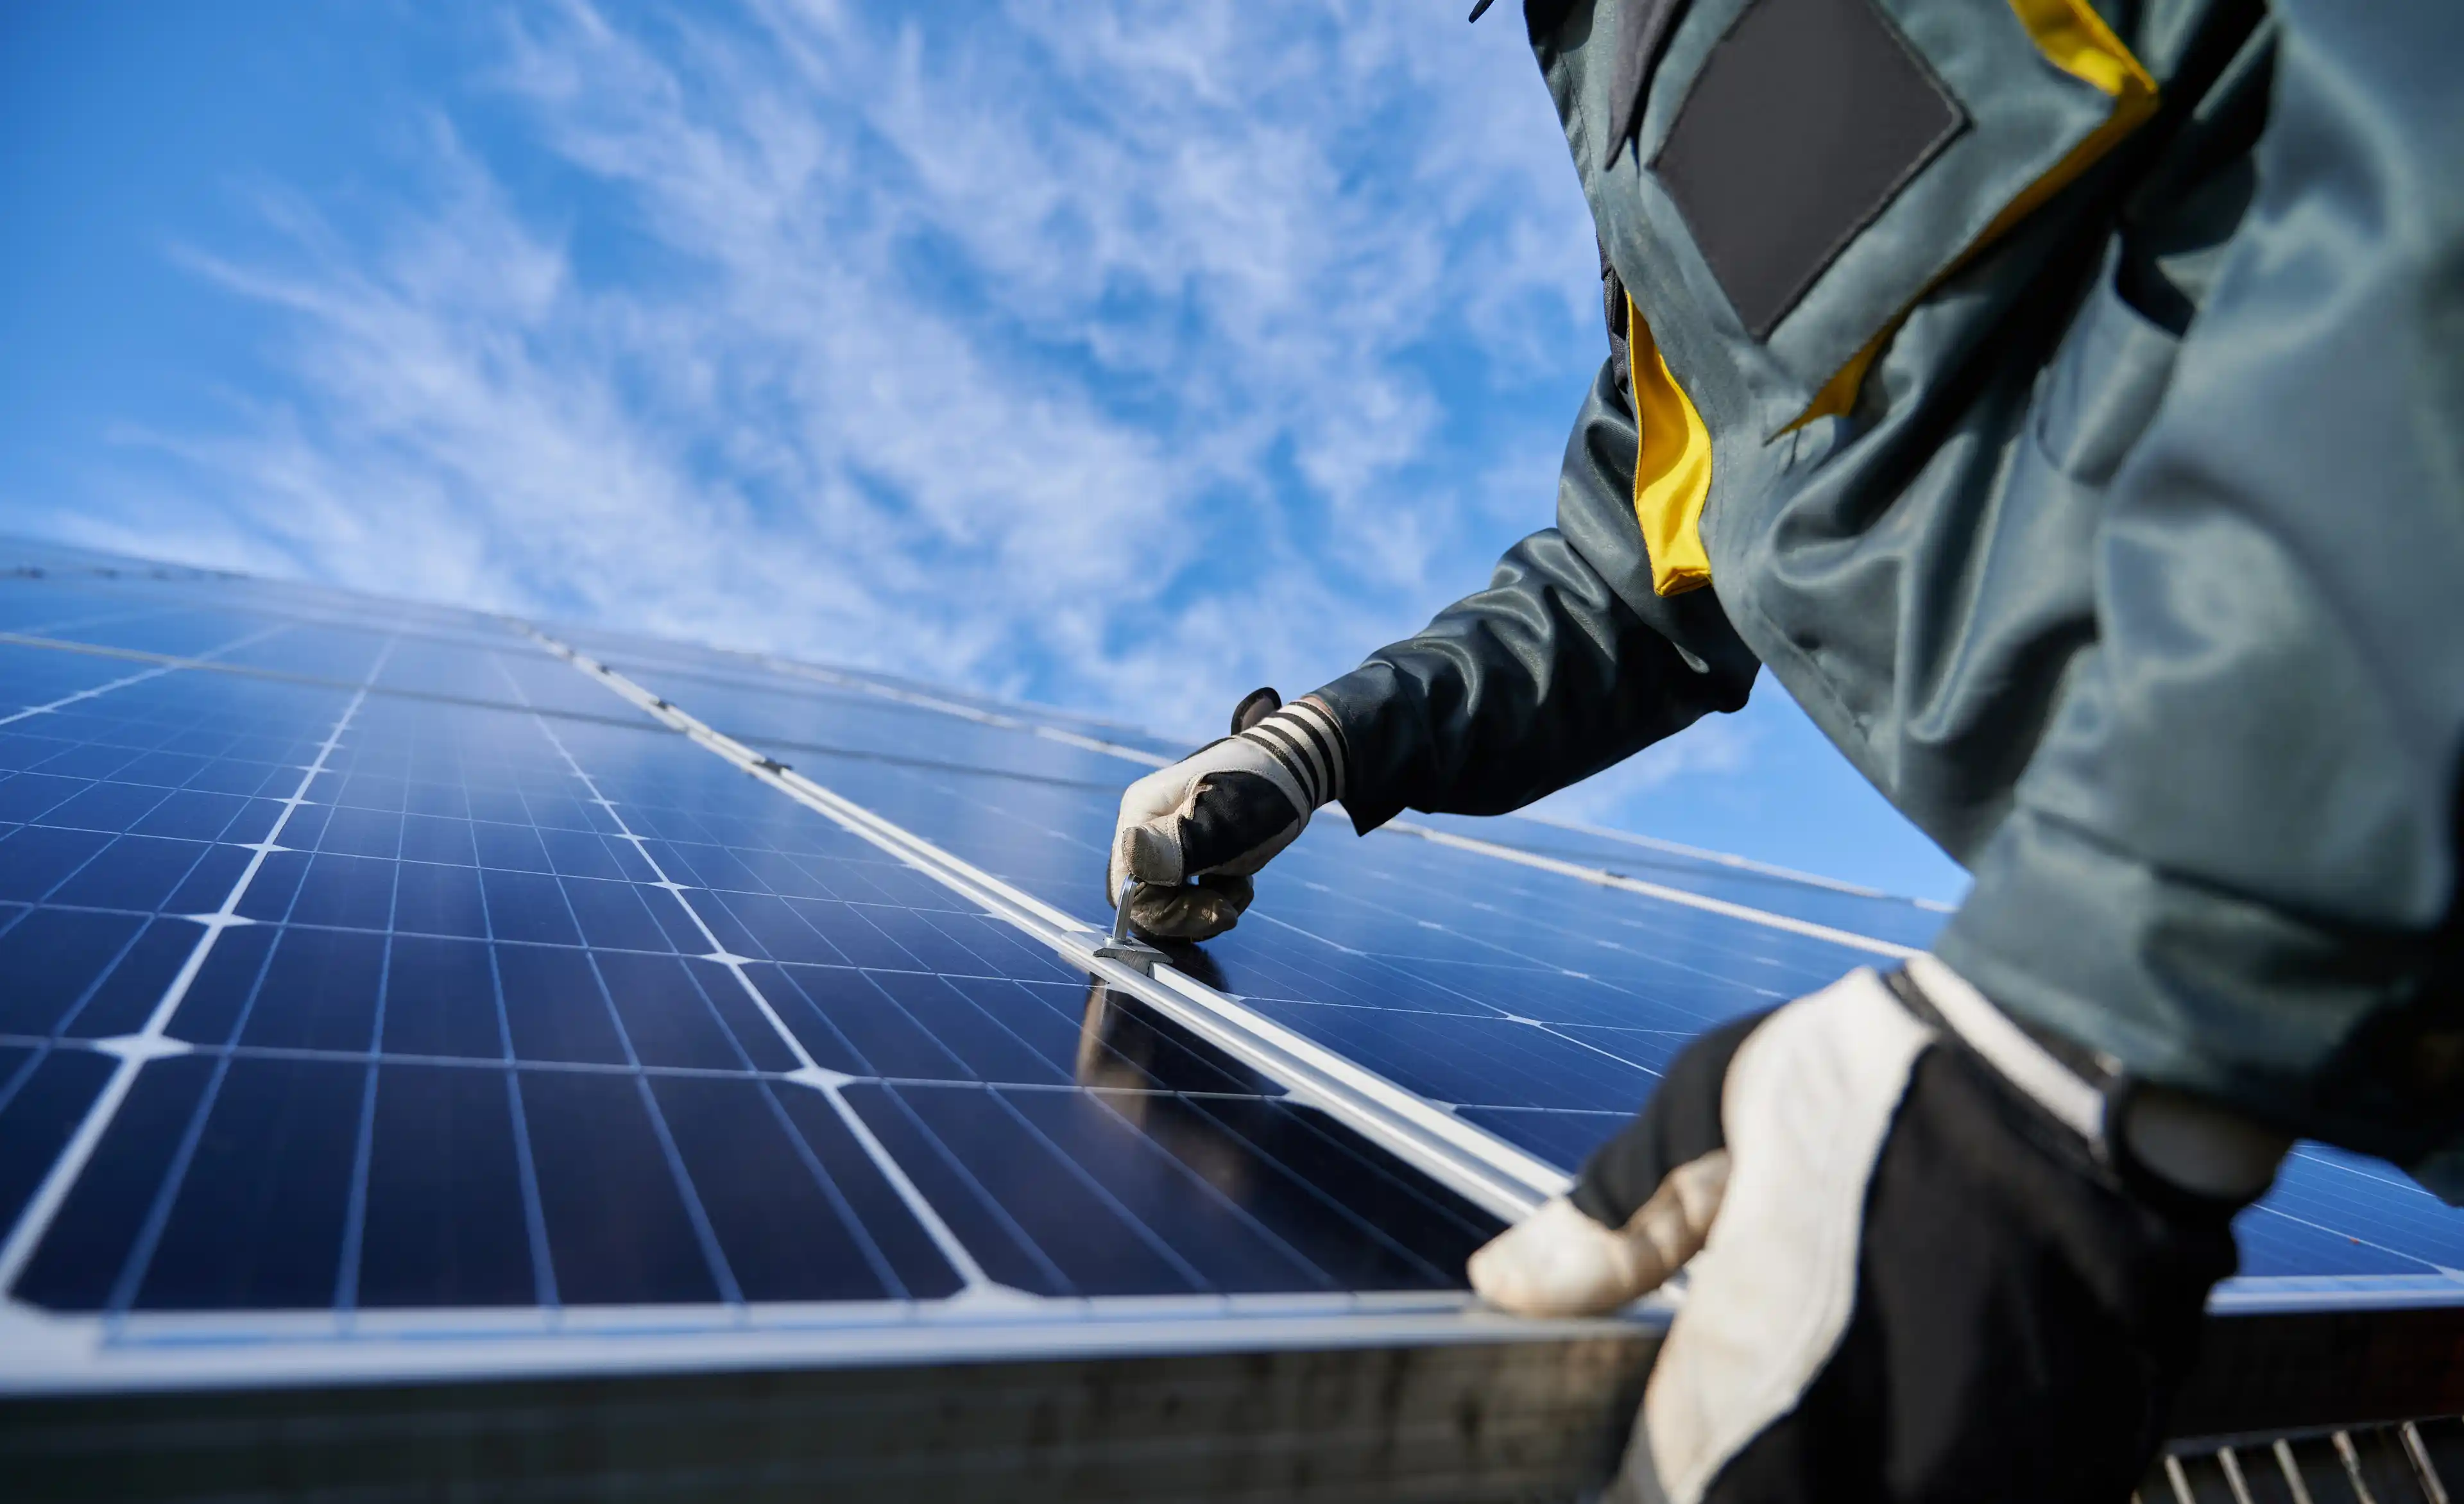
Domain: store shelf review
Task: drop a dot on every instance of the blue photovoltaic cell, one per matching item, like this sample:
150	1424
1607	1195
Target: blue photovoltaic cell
43	1096
496	1026
445	1222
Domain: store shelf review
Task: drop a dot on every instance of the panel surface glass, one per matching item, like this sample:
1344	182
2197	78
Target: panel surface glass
429	1004
1539	1006
405	966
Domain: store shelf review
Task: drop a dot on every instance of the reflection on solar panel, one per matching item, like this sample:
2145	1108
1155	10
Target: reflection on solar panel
387	991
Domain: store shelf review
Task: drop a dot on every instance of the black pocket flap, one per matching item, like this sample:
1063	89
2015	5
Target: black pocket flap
1833	160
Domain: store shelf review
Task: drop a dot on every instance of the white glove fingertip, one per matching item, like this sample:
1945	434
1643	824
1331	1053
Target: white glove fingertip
1148	854
1558	1262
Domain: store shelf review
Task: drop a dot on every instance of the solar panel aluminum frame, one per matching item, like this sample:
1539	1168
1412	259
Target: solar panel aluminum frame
1531	1417
1506	1420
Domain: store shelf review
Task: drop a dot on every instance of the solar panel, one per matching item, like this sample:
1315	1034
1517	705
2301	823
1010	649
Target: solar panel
394	991
492	1010
1536	1004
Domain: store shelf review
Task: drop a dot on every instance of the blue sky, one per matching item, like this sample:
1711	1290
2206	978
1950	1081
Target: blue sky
1121	356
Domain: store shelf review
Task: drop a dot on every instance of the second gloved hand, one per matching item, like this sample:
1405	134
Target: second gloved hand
1930	1254
1194	834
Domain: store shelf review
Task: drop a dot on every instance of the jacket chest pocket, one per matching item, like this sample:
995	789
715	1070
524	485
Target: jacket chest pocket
1816	168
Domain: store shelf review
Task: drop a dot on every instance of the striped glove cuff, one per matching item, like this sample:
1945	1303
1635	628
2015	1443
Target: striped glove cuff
1305	738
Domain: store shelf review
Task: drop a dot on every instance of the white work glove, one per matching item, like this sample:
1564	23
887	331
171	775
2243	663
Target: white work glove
1194	834
1931	1257
1560	1262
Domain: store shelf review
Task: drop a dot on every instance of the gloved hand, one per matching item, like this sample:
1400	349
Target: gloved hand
1194	834
1939	1257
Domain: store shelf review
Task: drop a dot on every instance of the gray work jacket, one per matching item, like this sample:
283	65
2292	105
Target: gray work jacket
2067	405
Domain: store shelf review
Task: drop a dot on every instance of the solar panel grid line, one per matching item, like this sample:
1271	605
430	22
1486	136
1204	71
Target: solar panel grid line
1147	758
71	623
362	614
1673	963
808	1071
543	1289
154	673
2270	1210
1729	859
1659	890
1602	876
1405	1122
348	606
355	1210
535	1231
730	1292
974	712
1072	739
1499	1175
746	678
151	1040
170	663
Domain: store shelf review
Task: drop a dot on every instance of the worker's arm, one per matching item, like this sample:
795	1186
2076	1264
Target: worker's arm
2233	861
1565	664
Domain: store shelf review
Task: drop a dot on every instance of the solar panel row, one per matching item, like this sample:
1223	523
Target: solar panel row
491	1009
370	959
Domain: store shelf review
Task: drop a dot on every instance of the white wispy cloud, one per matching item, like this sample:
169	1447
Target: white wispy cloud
1125	354
1110	352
